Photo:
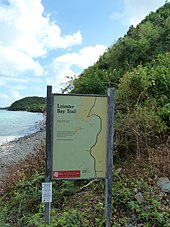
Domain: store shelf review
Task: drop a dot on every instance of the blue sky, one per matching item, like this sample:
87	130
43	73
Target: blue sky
42	42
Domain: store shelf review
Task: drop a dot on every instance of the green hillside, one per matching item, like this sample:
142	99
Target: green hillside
137	66
31	104
138	47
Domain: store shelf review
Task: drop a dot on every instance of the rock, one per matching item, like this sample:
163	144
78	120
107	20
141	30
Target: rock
135	190
132	218
139	197
164	184
118	170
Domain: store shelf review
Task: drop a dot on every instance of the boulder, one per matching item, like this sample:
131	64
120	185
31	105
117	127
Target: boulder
164	184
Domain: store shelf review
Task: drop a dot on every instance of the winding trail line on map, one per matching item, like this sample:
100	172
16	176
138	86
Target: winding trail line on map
88	115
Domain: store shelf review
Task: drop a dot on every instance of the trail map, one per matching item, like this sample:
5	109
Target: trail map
79	136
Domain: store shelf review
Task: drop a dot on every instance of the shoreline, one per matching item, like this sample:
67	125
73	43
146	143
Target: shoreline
15	138
13	127
15	151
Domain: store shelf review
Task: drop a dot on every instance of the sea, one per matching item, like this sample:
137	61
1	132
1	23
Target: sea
15	124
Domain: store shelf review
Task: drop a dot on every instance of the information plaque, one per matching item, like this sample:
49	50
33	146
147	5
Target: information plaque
79	136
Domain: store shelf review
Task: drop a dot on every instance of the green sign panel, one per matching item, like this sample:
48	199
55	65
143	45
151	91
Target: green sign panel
79	136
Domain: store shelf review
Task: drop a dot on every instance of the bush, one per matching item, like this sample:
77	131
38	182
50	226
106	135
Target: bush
138	130
143	106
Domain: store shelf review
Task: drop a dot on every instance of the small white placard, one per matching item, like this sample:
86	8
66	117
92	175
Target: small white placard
47	192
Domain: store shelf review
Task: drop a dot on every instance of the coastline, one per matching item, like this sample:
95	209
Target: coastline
8	139
15	151
16	124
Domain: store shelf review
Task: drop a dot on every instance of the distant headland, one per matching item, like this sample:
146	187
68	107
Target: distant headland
30	104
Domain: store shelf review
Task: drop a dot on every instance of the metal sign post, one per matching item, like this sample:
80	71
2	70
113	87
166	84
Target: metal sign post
109	157
48	162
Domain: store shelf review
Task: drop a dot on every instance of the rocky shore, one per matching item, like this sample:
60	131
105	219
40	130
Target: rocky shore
13	152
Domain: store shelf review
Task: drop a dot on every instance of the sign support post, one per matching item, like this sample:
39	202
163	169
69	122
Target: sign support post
109	157
48	162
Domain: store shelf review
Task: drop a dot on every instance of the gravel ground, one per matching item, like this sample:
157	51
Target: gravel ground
13	152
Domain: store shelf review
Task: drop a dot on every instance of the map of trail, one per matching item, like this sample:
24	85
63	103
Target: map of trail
79	136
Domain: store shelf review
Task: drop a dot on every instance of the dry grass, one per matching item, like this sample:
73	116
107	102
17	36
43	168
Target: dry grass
25	168
157	165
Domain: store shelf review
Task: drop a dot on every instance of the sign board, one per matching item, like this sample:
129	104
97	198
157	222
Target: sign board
47	192
79	142
79	136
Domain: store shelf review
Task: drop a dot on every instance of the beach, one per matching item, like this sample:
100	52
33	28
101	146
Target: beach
11	153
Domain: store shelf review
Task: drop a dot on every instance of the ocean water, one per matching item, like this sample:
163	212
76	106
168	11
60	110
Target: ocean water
15	124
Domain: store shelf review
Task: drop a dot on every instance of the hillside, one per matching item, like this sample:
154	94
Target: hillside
31	104
139	46
4	108
137	66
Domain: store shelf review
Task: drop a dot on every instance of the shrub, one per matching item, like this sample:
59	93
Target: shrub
143	106
137	130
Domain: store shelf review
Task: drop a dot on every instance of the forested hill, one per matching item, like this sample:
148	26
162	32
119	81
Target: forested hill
139	46
138	67
31	104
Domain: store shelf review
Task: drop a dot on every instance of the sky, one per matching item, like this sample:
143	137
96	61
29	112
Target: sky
46	42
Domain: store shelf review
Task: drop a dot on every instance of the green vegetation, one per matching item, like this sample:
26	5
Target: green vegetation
137	65
4	108
138	47
76	204
30	104
143	106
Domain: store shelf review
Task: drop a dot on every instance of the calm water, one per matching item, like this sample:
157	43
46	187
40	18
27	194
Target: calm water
15	124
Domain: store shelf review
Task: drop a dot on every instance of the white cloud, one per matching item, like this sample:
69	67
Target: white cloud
55	40
19	87
117	16
27	34
2	82
3	96
60	69
136	10
89	55
15	94
13	62
31	31
11	79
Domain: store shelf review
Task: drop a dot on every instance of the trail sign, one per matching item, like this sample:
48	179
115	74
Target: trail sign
79	141
79	136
